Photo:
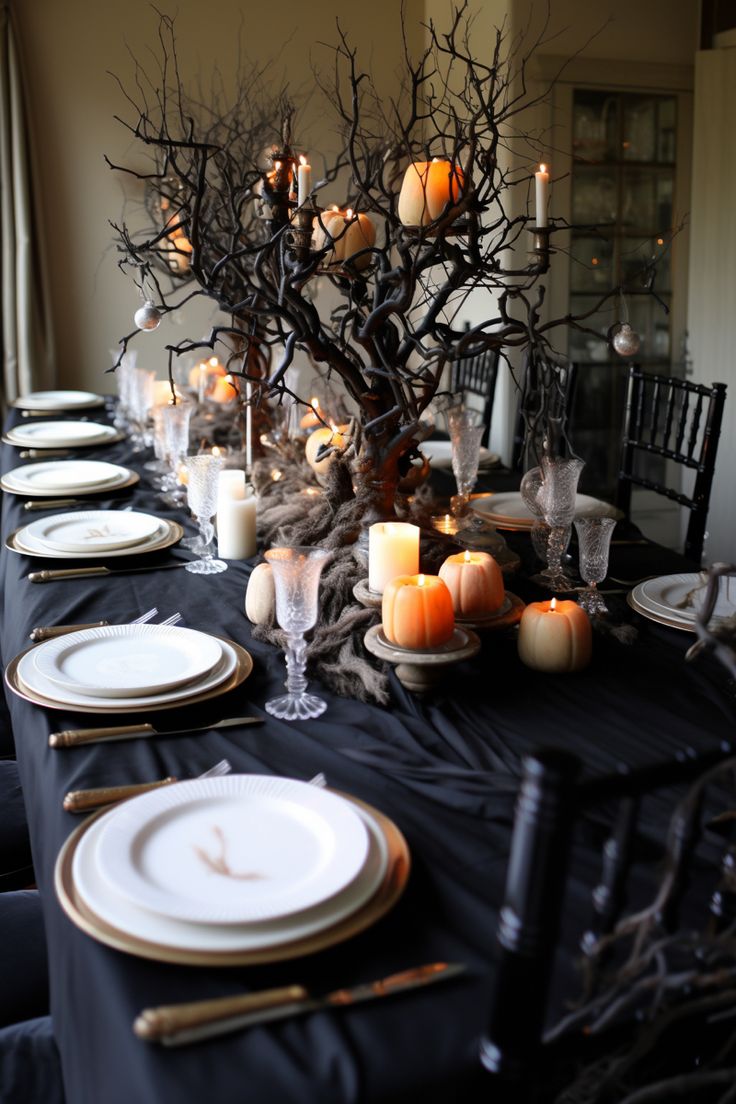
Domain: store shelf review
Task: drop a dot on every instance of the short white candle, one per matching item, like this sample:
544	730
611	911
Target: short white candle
393	549
230	485
236	527
304	180
541	180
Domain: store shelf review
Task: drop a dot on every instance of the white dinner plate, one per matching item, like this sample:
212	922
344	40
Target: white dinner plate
508	508
439	454
93	530
233	850
30	677
58	477
666	593
121	913
45	434
127	661
657	616
161	538
58	400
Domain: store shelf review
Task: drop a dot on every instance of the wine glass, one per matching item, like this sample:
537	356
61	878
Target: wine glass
557	497
174	419
202	500
594	542
296	575
466	432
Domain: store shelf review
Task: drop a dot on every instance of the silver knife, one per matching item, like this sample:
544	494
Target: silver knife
75	737
92	571
177	1024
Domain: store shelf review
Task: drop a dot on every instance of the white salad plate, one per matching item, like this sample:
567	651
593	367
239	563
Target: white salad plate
127	661
60	477
509	510
167	534
61	434
233	850
439	454
114	909
93	530
30	678
58	400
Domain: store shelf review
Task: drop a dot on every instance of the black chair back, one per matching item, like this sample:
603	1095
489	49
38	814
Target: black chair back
680	422
531	421
476	374
552	800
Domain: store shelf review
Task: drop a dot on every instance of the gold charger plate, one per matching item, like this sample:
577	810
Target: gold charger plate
87	492
243	668
384	899
174	535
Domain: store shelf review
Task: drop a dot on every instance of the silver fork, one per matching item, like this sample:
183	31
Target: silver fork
173	620
84	801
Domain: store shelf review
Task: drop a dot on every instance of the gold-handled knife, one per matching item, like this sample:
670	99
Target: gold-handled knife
48	632
82	801
52	503
177	1024
97	569
74	737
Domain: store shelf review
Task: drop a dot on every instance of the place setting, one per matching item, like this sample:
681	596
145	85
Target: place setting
62	435
676	600
59	401
233	870
61	478
90	534
131	668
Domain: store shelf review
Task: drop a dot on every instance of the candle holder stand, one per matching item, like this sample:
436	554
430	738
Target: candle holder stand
541	249
422	671
299	236
362	593
509	614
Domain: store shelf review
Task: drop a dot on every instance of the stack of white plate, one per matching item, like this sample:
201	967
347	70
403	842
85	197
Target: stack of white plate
674	600
131	667
59	478
439	454
52	401
245	864
47	434
508	510
92	533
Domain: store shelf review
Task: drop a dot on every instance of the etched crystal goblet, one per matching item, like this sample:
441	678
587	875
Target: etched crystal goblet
557	497
466	431
175	419
202	500
296	575
594	542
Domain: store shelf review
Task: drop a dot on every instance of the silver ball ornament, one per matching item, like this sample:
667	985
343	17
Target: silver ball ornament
626	341
147	317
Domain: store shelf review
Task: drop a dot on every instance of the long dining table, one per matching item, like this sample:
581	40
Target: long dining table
444	768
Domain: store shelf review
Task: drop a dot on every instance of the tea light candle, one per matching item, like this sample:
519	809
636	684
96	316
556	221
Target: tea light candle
475	582
555	636
417	612
332	435
393	549
236	527
444	523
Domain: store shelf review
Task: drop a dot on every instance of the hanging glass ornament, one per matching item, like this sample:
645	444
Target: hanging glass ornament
147	317
626	341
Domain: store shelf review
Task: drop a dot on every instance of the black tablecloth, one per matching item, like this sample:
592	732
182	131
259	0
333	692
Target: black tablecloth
634	704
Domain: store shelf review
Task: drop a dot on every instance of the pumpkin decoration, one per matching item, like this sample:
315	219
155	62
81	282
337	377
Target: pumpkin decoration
260	596
428	190
349	234
325	435
417	612
475	582
555	636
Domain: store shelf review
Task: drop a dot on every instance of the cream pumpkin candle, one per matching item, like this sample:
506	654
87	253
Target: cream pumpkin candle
475	582
417	612
333	435
393	549
555	636
349	234
428	189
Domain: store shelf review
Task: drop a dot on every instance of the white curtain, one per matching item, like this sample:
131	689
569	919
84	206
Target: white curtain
27	343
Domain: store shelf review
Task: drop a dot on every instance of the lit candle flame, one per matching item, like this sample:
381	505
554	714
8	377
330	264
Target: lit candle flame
349	213
277	165
216	451
276	474
420	580
542	168
213	362
553	605
314	403
466	557
302	159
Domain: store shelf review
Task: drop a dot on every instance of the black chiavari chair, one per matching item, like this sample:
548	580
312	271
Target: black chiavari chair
476	374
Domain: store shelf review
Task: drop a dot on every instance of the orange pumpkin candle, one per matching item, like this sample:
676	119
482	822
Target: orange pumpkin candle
475	582
555	636
428	189
225	390
417	611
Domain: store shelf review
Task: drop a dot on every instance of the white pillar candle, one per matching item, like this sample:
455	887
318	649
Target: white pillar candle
393	549
230	486
541	180
248	427
236	527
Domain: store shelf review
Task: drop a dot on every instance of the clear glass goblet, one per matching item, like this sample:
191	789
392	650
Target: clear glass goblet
175	419
296	575
594	542
140	398
466	432
557	497
202	499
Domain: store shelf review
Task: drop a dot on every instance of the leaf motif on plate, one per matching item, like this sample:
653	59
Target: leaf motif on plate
218	863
